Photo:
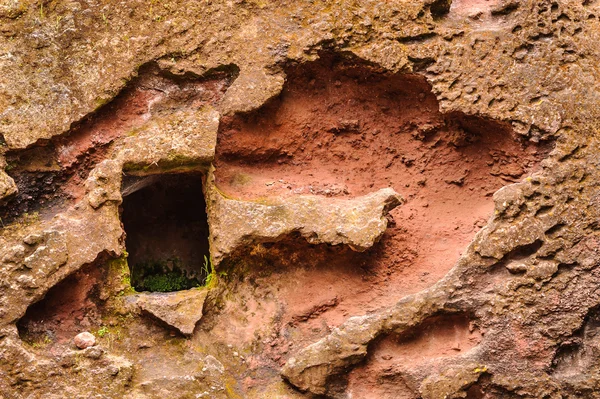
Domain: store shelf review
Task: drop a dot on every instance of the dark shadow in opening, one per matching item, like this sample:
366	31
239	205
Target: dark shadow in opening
167	232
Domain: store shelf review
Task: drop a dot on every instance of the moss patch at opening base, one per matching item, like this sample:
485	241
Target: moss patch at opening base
157	276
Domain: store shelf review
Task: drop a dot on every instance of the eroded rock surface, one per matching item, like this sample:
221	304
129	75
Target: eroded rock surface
358	223
7	186
182	309
304	121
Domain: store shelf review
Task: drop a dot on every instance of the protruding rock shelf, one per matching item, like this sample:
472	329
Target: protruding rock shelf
181	309
357	222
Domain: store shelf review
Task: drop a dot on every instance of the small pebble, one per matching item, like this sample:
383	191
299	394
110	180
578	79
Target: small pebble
84	340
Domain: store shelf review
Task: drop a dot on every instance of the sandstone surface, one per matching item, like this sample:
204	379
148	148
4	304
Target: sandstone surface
282	137
181	309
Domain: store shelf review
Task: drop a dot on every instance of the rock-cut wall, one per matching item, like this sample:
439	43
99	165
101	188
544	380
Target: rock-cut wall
296	199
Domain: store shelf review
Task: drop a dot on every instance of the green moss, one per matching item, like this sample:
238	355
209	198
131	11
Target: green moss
39	341
162	276
17	226
230	389
102	331
211	279
100	102
119	269
30	218
110	335
167	282
175	159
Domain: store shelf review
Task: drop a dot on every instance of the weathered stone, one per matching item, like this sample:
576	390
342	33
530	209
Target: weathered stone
70	240
33	239
13	254
164	386
181	309
345	346
7	185
84	340
357	222
104	183
452	383
251	89
47	258
182	139
529	277
201	377
93	352
212	365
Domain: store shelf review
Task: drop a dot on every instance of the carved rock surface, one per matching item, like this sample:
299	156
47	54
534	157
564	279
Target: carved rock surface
182	138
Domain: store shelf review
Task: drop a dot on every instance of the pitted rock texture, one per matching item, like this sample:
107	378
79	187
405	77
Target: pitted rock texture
482	114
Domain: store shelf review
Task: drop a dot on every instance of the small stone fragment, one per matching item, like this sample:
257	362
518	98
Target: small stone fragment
180	309
104	183
7	185
84	340
93	352
13	254
33	239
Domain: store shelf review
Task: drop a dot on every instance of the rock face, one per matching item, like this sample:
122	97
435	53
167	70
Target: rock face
302	121
181	309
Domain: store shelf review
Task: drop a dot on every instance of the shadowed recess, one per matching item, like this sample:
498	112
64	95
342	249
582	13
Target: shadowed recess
70	307
167	232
